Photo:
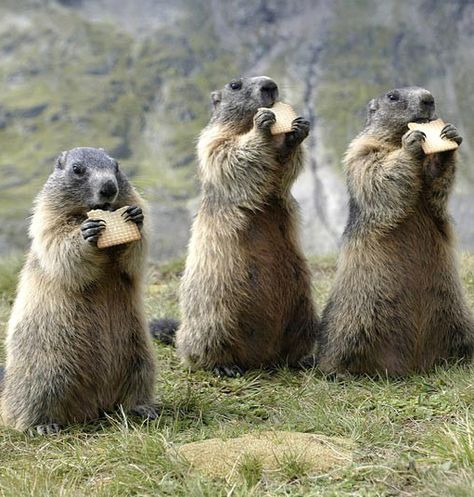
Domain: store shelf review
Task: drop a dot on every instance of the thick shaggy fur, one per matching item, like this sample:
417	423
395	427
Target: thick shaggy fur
397	304
77	342
246	294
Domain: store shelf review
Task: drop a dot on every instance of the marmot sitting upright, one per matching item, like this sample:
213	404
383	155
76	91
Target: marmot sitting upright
397	304
77	340
246	293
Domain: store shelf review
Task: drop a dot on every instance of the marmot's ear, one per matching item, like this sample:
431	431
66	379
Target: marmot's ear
372	108
61	160
216	97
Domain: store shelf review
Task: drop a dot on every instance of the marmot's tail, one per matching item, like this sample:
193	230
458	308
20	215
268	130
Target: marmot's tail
164	330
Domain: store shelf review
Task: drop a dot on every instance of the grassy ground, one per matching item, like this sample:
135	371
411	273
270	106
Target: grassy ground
412	437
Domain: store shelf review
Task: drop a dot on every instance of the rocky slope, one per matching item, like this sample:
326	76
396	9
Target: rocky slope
134	76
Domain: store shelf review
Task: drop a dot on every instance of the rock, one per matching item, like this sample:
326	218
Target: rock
32	111
218	458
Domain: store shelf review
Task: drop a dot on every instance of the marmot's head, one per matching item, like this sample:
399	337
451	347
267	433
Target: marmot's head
87	178
239	100
390	113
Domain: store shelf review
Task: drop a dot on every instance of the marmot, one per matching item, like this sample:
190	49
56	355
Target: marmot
245	295
397	304
77	342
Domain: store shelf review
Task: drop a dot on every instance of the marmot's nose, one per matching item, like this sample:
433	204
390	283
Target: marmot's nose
269	87
108	190
427	100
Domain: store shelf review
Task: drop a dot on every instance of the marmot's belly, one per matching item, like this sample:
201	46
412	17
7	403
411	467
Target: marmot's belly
396	280
86	334
276	271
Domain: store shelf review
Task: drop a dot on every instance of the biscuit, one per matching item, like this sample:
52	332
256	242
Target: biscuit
285	115
117	230
433	142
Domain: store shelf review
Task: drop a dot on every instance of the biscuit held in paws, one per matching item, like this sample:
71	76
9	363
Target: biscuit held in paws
285	115
117	230
433	142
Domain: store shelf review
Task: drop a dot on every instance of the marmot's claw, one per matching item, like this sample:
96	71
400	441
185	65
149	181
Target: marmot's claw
451	133
145	411
300	123
48	429
299	131
264	119
412	141
91	229
134	214
229	371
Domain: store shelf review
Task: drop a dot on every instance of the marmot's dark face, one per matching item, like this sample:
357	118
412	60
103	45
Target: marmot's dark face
400	106
239	100
87	178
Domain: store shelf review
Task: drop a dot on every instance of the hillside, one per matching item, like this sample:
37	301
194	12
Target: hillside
134	77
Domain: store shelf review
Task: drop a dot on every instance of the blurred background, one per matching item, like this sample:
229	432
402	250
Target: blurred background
134	77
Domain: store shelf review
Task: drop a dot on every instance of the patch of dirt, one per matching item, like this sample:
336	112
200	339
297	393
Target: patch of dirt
218	458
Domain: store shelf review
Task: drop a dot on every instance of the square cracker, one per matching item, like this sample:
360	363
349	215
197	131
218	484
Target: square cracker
284	115
117	230
433	142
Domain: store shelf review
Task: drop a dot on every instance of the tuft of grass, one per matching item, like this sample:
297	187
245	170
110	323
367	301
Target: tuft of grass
293	468
250	469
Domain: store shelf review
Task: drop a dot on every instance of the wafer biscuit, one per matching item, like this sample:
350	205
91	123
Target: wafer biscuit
433	142
117	230
285	115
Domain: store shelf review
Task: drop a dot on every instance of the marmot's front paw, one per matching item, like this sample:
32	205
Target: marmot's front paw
264	119
412	142
91	230
134	214
451	133
299	131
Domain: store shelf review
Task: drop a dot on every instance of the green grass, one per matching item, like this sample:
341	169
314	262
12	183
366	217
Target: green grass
412	437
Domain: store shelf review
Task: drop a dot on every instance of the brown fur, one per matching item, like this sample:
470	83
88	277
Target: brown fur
397	304
77	343
245	294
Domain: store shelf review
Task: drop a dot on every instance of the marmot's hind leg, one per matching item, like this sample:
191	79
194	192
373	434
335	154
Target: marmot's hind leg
460	342
299	337
451	334
137	391
45	403
45	429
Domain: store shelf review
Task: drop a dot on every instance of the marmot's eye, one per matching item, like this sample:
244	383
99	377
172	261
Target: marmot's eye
394	97
116	165
235	85
78	168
